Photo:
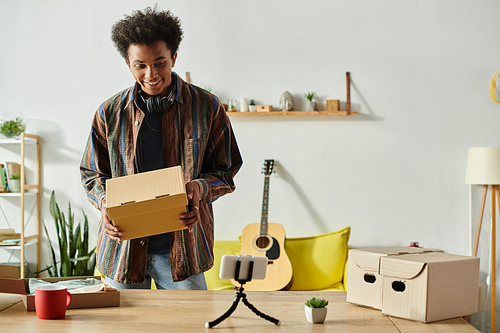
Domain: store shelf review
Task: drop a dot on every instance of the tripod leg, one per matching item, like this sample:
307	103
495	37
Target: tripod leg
227	314
260	314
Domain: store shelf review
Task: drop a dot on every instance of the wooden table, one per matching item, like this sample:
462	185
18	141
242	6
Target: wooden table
188	311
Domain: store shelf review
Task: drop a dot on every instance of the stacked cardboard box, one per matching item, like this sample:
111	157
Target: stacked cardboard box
10	283
420	284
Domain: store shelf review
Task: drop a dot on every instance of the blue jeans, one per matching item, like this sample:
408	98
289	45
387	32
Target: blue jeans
158	268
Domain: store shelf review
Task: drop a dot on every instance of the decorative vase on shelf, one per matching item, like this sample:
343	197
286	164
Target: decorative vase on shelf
311	106
12	123
243	105
231	105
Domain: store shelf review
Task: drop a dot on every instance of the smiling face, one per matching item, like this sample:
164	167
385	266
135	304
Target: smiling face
151	65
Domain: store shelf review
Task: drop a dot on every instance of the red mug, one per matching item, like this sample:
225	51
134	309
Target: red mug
51	301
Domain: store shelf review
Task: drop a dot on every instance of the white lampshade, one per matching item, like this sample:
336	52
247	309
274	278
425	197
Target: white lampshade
483	166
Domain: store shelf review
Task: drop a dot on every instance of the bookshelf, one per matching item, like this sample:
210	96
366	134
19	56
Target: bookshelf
27	191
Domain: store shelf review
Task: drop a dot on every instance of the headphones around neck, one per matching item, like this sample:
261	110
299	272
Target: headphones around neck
158	104
155	104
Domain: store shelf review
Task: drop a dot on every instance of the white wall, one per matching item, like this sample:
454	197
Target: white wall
394	173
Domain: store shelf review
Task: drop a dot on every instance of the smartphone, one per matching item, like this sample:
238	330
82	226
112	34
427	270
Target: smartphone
228	267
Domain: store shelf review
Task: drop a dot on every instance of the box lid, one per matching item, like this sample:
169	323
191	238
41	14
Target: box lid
10	282
152	205
409	266
368	259
144	186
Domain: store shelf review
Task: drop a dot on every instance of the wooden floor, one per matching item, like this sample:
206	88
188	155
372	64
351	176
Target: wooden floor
188	311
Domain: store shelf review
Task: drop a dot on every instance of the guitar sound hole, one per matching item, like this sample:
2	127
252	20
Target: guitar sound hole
262	242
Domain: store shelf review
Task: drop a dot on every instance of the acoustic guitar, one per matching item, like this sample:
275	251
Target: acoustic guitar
267	239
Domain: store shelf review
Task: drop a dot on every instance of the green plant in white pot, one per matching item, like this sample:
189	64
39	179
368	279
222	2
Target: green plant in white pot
311	103
15	183
315	310
252	107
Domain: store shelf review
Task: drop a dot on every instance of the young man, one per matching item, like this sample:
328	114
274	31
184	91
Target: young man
161	121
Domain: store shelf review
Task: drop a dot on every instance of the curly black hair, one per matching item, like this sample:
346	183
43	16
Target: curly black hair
146	27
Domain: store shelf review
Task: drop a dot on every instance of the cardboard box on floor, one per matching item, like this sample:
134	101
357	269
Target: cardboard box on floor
11	284
147	203
428	287
364	282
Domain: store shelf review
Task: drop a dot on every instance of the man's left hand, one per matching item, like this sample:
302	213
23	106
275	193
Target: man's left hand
192	217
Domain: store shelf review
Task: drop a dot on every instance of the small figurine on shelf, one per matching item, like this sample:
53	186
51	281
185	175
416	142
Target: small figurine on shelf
286	101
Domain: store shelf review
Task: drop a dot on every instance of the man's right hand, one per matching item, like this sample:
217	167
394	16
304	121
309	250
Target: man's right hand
109	229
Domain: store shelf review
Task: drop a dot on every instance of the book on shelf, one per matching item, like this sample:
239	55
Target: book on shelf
10	242
9	237
13	168
3	178
10	169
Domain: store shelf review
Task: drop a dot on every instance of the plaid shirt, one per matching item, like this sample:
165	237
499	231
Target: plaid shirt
198	136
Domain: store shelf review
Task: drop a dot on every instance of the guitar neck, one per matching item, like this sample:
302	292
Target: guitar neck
265	207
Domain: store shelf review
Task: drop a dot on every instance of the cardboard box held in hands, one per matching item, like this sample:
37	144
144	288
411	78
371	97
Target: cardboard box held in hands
147	203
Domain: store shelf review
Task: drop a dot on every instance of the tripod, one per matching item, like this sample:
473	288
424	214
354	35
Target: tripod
241	295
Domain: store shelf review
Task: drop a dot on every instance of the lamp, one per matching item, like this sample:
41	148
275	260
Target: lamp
483	168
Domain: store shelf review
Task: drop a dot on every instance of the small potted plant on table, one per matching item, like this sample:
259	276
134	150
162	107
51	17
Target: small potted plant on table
315	309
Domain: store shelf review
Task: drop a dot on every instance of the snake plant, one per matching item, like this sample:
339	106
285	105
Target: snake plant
76	258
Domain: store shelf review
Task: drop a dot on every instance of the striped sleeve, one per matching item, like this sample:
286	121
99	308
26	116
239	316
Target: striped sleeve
95	164
222	157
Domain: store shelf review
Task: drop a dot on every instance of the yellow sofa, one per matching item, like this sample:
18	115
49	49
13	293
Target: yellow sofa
319	263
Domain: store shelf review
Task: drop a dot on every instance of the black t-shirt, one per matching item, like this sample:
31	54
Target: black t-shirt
151	158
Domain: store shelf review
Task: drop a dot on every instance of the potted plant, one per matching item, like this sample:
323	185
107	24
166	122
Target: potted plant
15	183
252	107
231	105
76	258
315	309
310	104
12	127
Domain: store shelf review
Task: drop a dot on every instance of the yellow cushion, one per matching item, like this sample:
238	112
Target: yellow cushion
495	88
212	275
318	261
336	287
344	280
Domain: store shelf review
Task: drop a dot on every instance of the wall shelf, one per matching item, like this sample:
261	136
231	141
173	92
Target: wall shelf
347	112
291	113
